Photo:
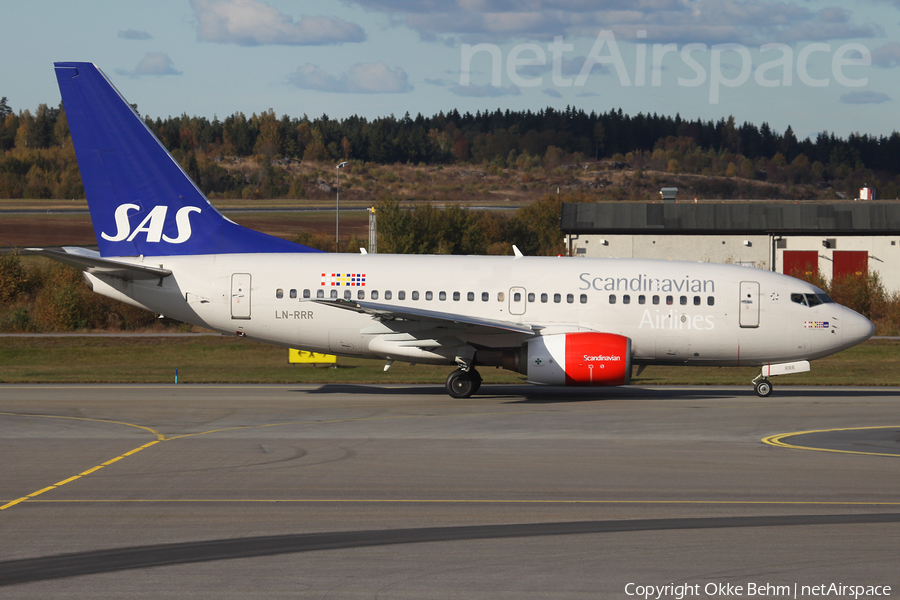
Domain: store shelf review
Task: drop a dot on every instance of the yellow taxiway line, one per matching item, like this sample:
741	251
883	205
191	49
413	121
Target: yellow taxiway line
778	440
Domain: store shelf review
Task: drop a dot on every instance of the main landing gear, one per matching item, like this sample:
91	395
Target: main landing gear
462	384
762	386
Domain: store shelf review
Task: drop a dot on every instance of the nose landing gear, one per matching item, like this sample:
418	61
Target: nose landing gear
761	383
762	386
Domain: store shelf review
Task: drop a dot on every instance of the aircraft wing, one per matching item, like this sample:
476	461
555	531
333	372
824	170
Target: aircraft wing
387	312
90	262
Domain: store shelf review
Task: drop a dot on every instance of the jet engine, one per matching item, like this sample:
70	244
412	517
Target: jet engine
588	358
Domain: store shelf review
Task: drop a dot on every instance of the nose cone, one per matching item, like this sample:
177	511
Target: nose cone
856	328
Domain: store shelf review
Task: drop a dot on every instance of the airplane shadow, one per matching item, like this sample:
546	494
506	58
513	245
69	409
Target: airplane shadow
528	394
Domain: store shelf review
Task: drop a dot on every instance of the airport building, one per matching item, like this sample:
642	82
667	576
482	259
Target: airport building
830	239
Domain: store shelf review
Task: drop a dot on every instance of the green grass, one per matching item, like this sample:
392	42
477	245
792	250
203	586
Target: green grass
224	359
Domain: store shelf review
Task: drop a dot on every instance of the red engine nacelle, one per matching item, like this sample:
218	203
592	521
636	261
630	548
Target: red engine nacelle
579	359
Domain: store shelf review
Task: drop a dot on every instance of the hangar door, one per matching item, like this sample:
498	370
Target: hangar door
802	264
850	262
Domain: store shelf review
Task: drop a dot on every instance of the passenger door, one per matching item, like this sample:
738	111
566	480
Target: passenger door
749	304
240	296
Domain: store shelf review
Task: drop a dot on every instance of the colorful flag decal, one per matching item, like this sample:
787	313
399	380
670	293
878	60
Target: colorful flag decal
344	279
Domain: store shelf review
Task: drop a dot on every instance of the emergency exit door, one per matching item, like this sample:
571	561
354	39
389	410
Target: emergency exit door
517	301
749	315
240	296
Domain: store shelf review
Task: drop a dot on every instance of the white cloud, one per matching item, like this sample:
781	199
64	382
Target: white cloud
680	21
361	78
568	66
254	23
887	56
134	34
485	91
153	63
865	97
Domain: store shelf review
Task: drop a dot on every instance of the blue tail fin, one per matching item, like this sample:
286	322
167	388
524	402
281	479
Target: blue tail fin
141	201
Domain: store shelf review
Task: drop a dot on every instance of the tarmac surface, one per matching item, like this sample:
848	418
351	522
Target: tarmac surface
277	491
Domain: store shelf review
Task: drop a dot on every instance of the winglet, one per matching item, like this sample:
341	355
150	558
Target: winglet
141	200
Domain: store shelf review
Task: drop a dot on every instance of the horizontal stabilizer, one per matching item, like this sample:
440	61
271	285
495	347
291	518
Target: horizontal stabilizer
90	262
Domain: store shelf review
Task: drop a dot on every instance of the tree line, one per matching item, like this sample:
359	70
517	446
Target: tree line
37	161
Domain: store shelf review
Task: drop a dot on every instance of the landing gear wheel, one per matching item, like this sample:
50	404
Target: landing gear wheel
476	376
462	384
763	388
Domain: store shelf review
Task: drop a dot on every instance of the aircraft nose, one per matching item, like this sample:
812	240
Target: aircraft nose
856	328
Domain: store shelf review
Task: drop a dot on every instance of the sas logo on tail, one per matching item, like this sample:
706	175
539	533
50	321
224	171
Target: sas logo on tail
152	225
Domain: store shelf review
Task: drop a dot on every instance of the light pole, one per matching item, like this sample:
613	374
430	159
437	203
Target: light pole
337	207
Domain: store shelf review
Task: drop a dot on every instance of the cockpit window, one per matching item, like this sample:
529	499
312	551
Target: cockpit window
811	300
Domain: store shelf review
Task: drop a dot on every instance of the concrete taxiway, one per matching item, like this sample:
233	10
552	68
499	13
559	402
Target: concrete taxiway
212	491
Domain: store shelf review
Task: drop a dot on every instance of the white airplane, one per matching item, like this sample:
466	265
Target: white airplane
559	321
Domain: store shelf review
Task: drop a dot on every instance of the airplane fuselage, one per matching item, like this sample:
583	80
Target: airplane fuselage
674	312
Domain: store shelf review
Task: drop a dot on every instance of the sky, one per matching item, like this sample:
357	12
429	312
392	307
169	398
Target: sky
816	65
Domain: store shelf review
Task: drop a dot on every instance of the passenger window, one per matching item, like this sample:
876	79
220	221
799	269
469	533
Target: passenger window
584	298
347	294
334	293
401	295
626	299
388	295
485	296
696	300
612	298
374	295
670	300
415	295
711	301
500	296
470	296
456	296
429	296
279	293
557	298
642	299
655	299
293	294
442	296
544	298
570	298
306	293
531	296
683	300
320	293
360	295
517	297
